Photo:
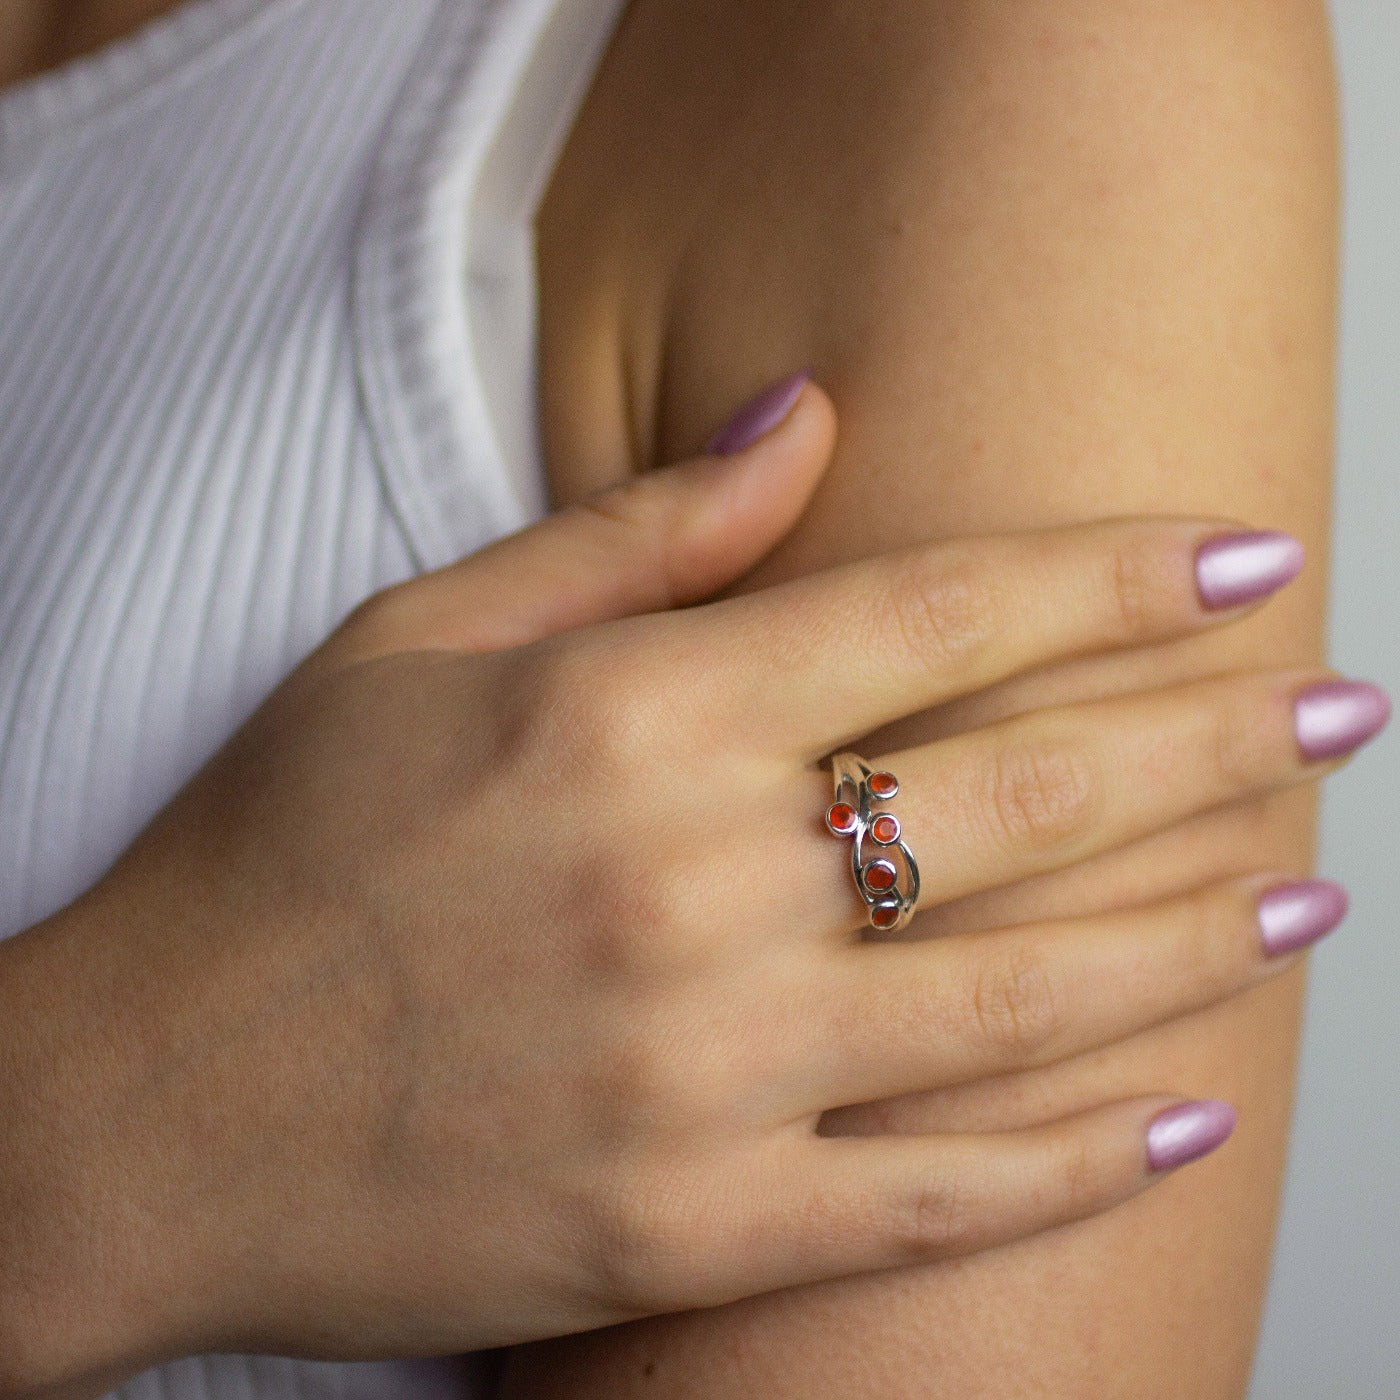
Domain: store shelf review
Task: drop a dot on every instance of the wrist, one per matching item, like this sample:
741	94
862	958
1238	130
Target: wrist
85	1285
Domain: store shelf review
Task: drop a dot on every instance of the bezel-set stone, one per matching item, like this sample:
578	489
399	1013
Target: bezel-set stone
842	818
883	785
885	829
880	876
885	914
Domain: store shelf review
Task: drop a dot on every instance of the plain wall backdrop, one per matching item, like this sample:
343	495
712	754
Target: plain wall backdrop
1332	1324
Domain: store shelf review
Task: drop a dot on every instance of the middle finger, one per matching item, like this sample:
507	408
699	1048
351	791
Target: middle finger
893	1019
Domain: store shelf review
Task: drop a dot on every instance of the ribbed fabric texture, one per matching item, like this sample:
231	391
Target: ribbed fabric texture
250	281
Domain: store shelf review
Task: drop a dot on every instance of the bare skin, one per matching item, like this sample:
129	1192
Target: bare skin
1053	260
293	1079
36	35
959	312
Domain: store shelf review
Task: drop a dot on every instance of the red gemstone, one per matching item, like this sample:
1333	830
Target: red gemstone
884	785
885	915
885	829
880	875
841	818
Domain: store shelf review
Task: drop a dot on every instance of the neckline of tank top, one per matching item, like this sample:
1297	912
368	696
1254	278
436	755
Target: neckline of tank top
172	47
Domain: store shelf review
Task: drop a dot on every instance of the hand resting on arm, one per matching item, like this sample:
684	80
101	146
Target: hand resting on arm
491	982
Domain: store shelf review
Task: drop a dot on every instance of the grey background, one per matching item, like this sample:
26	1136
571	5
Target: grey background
1332	1325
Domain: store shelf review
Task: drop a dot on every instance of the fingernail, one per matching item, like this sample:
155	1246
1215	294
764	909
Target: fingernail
1335	717
1186	1132
759	416
1235	569
1293	916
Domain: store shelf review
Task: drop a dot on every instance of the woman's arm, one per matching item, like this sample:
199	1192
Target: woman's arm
1055	260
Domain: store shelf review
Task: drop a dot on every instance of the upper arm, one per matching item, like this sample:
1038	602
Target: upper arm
1053	260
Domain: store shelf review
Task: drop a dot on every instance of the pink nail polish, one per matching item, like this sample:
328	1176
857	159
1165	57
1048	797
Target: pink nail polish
1188	1131
1295	915
759	416
1335	717
1235	569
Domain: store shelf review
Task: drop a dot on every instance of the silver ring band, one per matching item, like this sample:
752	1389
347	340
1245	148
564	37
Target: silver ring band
887	878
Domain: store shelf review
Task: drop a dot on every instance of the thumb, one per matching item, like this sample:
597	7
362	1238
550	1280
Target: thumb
671	537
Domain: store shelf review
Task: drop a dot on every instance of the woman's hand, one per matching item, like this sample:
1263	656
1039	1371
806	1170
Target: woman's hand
469	997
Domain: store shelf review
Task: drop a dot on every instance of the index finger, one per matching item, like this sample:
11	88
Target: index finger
820	661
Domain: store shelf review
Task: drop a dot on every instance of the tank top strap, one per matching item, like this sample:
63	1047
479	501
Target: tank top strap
444	278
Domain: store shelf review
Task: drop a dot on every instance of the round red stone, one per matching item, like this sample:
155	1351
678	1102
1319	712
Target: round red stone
885	915
884	785
885	829
879	876
841	818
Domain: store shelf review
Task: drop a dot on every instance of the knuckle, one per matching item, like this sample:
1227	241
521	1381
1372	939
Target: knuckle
1015	1007
545	682
648	517
635	915
1234	743
593	707
1080	1179
1044	795
643	1085
1132	588
664	1073
943	605
1224	926
622	507
536	729
936	1220
648	1235
619	721
1217	914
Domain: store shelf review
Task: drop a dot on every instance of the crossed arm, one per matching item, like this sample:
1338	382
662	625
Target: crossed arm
1055	260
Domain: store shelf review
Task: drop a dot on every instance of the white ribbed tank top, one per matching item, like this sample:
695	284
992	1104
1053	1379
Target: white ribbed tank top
267	315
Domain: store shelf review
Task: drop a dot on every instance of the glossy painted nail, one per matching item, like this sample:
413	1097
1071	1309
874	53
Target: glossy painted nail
1232	570
759	416
1186	1132
1295	915
1335	717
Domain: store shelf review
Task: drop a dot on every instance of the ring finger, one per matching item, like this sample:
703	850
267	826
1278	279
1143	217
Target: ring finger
1049	789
